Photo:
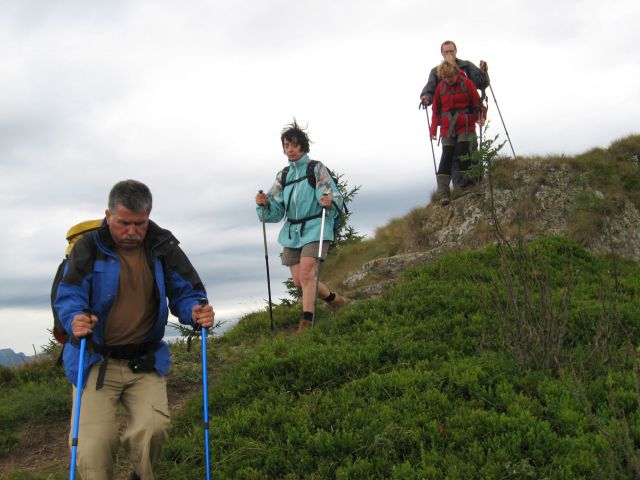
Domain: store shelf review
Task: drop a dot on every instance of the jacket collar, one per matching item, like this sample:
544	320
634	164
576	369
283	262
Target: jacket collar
300	163
155	236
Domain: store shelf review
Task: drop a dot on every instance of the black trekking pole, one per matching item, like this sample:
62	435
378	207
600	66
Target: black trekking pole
433	153
266	259
315	297
76	411
205	394
502	120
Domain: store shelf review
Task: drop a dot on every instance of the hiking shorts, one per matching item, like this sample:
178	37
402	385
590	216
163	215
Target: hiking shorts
463	137
291	256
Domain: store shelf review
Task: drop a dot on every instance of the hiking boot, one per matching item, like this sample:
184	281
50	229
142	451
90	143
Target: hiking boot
460	192
465	185
304	325
337	303
463	190
134	476
443	194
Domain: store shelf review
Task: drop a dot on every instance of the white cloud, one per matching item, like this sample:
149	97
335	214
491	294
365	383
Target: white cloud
190	98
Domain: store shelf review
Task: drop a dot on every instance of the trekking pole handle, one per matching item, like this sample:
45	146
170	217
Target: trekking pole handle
202	302
262	191
87	312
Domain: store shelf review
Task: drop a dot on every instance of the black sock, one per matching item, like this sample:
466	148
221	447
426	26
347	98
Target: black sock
307	315
330	298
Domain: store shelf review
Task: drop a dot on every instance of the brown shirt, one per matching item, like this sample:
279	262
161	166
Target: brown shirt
135	308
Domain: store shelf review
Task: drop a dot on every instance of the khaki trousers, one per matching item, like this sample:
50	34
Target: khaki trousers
144	397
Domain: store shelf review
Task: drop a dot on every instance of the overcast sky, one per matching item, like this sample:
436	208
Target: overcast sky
190	98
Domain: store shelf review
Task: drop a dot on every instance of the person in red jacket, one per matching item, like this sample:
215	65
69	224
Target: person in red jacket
456	109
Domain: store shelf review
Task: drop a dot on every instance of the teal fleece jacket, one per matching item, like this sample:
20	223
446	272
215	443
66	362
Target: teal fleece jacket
300	200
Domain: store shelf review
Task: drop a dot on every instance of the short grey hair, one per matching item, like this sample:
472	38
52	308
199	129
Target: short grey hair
131	194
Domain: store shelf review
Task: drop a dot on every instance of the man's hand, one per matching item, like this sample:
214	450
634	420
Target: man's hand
261	199
325	201
203	315
483	66
82	324
426	100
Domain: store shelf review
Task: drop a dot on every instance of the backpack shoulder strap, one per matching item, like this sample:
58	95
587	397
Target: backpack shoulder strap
283	176
311	173
441	91
464	88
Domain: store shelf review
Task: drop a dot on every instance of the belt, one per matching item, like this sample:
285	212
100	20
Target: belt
133	352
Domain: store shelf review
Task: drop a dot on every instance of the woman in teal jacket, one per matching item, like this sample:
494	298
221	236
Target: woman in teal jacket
300	192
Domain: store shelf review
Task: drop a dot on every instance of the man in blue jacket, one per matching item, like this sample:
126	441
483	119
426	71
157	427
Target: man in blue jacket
115	288
300	197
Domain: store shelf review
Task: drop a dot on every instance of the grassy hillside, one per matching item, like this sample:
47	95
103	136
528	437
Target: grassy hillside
426	381
506	363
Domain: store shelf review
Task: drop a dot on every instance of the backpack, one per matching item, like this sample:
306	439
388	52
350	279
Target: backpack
73	235
463	87
343	211
453	114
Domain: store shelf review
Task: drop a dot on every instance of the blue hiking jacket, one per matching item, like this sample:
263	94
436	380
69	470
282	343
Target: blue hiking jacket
302	201
90	280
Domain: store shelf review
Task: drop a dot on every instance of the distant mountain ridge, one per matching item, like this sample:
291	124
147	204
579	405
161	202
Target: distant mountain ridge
9	358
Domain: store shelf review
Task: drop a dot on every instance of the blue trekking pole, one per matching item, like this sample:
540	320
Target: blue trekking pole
76	413
205	389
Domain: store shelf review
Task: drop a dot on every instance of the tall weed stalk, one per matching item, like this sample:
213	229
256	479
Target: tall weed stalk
532	321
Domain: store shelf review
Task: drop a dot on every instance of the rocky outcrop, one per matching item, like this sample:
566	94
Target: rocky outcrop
541	198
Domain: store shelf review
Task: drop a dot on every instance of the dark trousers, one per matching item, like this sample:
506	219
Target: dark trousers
457	178
451	152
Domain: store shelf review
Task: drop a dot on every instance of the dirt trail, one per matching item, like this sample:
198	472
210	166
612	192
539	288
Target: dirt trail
44	449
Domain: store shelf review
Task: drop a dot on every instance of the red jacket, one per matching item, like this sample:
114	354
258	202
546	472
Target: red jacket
449	99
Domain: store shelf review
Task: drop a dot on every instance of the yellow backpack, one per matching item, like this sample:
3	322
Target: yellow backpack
74	234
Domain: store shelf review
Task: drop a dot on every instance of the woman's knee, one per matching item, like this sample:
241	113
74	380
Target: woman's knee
308	271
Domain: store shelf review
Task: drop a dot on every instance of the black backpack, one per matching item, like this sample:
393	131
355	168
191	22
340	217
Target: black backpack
311	178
